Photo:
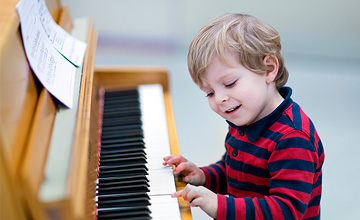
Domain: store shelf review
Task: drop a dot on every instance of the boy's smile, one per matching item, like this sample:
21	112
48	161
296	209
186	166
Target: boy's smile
238	94
230	111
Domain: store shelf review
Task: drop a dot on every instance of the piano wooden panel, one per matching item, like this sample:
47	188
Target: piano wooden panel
19	89
19	94
27	115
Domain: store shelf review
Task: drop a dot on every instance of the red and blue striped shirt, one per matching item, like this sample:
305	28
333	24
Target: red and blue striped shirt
272	169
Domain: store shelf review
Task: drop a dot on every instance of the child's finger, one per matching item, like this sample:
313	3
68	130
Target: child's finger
178	193
166	159
176	160
181	167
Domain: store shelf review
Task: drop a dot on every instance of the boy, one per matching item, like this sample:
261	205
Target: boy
272	168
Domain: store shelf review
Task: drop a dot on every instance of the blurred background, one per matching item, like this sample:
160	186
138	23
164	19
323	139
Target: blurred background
321	46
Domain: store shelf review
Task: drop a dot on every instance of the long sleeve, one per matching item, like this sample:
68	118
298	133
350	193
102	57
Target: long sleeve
216	177
294	187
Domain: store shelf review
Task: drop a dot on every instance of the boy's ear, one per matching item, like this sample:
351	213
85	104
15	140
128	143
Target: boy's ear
272	64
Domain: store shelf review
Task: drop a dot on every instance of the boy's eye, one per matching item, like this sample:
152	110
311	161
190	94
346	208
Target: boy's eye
230	84
210	94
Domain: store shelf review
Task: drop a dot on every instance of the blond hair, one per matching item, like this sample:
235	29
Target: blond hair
242	35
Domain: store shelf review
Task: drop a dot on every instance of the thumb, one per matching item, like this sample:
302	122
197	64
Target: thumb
188	179
195	202
193	179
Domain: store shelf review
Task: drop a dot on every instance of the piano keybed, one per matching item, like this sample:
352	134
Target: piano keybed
132	182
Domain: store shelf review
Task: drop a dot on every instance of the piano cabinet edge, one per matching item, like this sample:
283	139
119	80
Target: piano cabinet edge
80	193
123	77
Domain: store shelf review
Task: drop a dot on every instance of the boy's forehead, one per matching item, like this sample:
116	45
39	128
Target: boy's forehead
203	84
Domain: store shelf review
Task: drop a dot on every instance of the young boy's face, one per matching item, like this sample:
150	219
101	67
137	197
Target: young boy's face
238	94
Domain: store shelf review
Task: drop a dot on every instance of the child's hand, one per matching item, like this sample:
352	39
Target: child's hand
200	196
192	173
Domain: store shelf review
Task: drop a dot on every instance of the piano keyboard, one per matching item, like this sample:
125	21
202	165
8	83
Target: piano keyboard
132	182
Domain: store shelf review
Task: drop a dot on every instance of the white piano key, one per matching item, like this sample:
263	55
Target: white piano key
164	207
161	182
161	178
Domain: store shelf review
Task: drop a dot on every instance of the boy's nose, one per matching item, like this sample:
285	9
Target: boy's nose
223	98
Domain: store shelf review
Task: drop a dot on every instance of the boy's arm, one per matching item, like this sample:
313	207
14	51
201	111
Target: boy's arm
216	177
295	185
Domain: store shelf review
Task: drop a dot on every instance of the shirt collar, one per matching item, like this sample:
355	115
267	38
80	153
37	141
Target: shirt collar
257	129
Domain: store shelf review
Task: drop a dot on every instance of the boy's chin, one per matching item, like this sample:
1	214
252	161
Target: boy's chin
240	123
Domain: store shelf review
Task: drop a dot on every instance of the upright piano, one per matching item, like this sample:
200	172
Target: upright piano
101	159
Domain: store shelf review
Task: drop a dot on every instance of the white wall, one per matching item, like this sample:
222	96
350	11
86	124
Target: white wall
321	46
322	27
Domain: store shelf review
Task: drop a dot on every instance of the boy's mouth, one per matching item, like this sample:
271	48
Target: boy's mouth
232	109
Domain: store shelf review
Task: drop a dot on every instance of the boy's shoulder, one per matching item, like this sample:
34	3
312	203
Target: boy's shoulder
294	120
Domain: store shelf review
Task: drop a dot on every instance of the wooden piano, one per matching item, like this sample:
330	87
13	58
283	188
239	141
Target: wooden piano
49	154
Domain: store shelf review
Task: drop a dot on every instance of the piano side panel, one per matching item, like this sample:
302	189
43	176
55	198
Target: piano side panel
33	164
19	96
11	207
19	91
19	88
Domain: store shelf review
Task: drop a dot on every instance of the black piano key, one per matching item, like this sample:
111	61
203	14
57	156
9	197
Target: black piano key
123	183
122	93
122	163
120	128
118	161
112	151
123	200
117	120
121	167
112	133
119	179
123	154
135	145
122	189
115	173
121	140
120	110
122	114
128	213
129	133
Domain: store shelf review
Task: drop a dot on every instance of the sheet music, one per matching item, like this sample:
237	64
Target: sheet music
70	47
53	70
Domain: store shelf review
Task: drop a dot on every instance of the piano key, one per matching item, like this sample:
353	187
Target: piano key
139	145
123	200
164	207
161	178
113	180
128	213
133	143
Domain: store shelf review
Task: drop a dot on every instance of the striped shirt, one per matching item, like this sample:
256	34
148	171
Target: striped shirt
272	169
